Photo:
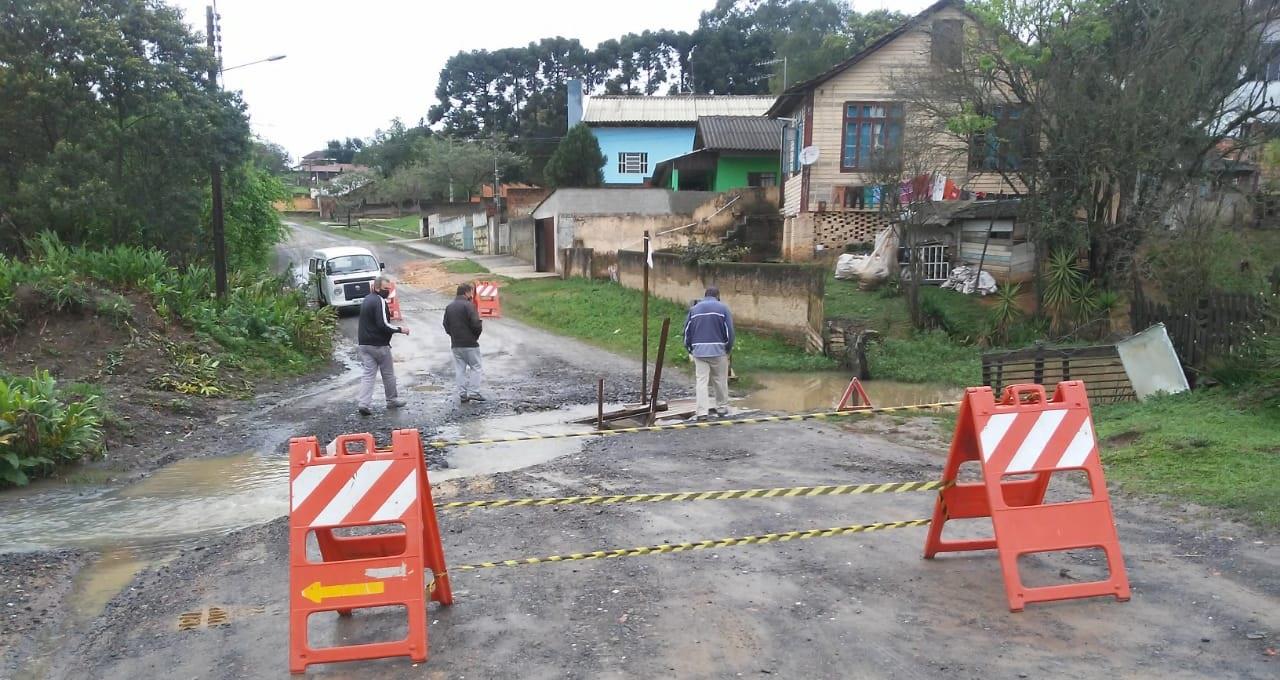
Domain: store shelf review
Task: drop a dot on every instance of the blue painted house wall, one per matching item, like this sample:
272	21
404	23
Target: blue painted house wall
660	143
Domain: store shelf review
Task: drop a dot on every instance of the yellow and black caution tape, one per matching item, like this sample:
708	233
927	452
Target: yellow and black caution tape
443	443
699	545
731	494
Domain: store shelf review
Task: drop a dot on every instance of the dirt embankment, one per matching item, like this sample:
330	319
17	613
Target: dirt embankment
124	355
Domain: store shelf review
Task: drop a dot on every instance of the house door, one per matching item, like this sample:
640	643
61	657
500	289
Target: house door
544	238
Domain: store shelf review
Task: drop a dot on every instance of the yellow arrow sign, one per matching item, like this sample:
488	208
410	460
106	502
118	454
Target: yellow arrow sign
319	593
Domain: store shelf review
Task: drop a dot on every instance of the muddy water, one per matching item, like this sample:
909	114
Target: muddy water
197	497
805	392
182	501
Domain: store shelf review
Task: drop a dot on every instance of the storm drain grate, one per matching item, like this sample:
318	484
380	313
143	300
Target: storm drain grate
190	620
214	617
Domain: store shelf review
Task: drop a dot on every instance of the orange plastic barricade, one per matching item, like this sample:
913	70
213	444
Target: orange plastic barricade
855	398
393	303
342	489
1026	434
487	302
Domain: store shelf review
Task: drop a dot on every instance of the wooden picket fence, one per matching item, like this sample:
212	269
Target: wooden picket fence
1217	325
1098	366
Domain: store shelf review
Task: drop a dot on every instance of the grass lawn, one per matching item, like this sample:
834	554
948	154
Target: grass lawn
609	316
464	267
946	356
399	227
1208	446
353	232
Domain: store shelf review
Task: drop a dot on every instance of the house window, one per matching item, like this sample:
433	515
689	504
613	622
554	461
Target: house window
947	42
1270	62
872	136
796	143
633	163
1003	147
762	179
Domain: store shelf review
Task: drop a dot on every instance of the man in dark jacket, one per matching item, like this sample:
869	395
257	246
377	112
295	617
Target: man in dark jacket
374	348
708	336
462	323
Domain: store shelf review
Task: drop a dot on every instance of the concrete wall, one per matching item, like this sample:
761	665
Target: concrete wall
780	298
297	204
659	142
521	241
731	171
440	225
609	234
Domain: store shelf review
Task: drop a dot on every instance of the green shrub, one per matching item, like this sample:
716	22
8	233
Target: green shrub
41	428
264	320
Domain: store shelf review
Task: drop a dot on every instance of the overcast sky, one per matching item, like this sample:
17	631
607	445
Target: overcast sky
353	66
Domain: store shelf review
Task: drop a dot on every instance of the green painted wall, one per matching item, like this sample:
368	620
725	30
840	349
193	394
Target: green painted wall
731	171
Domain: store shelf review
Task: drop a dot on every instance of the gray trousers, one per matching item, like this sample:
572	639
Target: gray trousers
374	360
466	370
711	375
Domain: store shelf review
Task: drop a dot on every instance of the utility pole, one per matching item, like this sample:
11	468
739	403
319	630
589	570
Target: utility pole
494	246
215	191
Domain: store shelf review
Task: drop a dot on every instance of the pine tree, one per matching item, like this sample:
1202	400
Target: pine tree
577	161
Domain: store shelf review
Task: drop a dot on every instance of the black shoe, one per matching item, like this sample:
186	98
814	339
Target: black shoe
465	398
364	411
477	397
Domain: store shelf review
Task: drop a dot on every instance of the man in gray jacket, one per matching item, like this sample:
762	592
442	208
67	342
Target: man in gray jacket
462	323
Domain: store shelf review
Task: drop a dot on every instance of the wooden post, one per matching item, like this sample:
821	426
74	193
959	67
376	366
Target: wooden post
1039	365
644	327
657	371
600	404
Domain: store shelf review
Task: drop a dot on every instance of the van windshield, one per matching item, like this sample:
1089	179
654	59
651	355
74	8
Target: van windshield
349	264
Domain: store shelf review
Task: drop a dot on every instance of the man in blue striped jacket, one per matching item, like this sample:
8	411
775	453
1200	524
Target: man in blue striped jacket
708	336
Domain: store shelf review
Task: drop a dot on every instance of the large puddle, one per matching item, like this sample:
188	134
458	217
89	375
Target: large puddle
197	497
807	392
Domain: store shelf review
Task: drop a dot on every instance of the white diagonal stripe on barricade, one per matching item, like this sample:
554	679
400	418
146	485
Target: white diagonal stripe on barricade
306	482
994	431
1080	447
351	493
400	499
1033	446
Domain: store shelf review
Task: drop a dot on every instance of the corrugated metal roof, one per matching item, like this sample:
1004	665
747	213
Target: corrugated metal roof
618	109
646	201
739	133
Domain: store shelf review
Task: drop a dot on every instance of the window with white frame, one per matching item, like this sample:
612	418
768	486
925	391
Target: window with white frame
633	163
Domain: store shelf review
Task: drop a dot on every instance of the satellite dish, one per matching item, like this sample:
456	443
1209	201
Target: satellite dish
809	155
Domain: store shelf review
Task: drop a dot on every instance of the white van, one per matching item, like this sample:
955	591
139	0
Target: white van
343	276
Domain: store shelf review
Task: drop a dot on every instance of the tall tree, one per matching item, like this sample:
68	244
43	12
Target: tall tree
1101	109
109	127
392	148
344	151
577	162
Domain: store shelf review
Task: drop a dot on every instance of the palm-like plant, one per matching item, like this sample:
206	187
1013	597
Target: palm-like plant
1060	285
1006	311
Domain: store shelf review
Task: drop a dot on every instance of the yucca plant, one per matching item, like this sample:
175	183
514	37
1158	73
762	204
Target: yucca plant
1061	281
1005	312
